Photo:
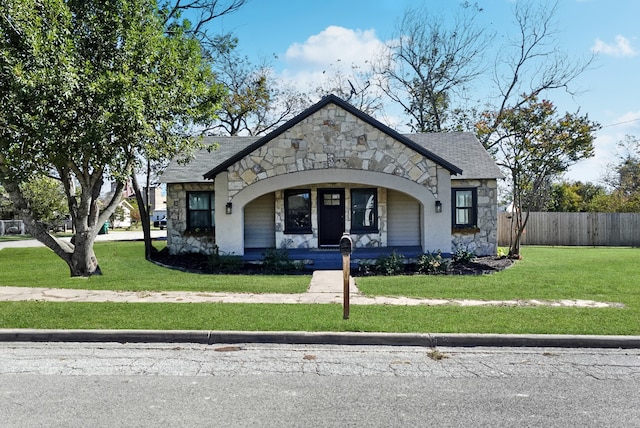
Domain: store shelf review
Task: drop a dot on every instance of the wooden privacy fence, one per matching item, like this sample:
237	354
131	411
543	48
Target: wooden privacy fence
588	229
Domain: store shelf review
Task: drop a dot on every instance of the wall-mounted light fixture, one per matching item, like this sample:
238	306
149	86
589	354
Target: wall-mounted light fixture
229	208
438	206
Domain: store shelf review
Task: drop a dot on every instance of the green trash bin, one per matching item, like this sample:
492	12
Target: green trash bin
104	229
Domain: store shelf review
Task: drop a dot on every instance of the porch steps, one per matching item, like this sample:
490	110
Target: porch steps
331	259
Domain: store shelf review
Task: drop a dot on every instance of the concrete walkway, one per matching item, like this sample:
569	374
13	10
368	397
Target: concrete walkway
325	287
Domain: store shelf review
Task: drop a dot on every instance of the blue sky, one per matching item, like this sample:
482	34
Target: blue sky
307	36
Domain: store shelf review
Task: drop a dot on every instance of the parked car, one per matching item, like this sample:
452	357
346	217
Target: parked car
162	223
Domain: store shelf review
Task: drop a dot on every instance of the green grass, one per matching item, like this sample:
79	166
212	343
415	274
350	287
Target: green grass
268	317
125	268
9	238
603	274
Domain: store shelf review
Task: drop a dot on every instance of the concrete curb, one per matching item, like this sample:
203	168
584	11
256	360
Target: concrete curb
321	338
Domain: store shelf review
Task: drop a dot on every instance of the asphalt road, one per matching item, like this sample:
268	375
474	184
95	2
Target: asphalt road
111	384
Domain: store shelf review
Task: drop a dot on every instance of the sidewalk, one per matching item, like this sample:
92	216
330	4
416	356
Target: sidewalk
326	287
119	235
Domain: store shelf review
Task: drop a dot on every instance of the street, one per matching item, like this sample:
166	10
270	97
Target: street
113	384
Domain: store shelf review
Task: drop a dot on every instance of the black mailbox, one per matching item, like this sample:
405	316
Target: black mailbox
346	245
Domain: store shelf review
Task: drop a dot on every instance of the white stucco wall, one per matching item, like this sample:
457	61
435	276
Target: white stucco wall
436	226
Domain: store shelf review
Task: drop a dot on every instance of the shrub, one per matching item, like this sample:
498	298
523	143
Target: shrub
227	263
393	264
462	256
431	263
278	261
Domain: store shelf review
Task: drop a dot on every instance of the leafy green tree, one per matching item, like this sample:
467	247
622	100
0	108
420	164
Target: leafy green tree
47	200
172	13
573	196
89	87
6	206
534	145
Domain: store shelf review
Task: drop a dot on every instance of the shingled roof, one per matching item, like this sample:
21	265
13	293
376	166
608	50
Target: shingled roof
459	152
216	151
332	99
462	149
459	148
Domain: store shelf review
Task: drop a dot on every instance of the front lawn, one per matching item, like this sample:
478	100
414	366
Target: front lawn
125	268
553	273
603	274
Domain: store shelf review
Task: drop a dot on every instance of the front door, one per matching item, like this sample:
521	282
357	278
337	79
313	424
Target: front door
330	216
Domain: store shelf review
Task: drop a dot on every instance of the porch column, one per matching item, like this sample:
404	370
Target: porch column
229	227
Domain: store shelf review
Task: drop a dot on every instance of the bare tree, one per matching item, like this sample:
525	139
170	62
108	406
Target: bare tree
357	87
428	63
256	101
532	63
202	13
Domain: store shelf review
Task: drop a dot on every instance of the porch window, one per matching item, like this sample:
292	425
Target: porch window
364	210
297	211
465	207
200	211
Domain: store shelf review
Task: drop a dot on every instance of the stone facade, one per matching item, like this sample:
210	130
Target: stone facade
332	138
310	240
179	241
483	240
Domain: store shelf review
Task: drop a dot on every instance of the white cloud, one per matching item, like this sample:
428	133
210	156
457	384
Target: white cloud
332	46
621	47
334	51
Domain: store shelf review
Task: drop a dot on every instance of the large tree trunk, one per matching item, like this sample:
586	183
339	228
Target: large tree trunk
77	254
144	215
83	261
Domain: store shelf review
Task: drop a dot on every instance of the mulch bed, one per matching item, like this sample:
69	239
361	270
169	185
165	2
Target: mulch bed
200	263
481	265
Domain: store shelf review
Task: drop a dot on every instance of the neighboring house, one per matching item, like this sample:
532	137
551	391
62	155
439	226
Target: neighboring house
333	169
122	216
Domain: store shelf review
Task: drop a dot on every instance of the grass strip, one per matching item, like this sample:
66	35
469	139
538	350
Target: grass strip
268	317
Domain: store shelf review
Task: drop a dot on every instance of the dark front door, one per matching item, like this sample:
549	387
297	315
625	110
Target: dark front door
330	216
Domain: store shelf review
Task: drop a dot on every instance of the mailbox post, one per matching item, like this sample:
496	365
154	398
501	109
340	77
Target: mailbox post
346	247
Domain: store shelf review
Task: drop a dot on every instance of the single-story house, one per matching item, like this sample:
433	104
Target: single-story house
334	169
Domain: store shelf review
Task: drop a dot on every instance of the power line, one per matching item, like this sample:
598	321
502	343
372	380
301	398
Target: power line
620	123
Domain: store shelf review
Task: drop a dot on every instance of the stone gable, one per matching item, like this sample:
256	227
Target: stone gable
332	138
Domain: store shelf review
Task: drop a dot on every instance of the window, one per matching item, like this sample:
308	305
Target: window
297	211
464	207
200	211
364	210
